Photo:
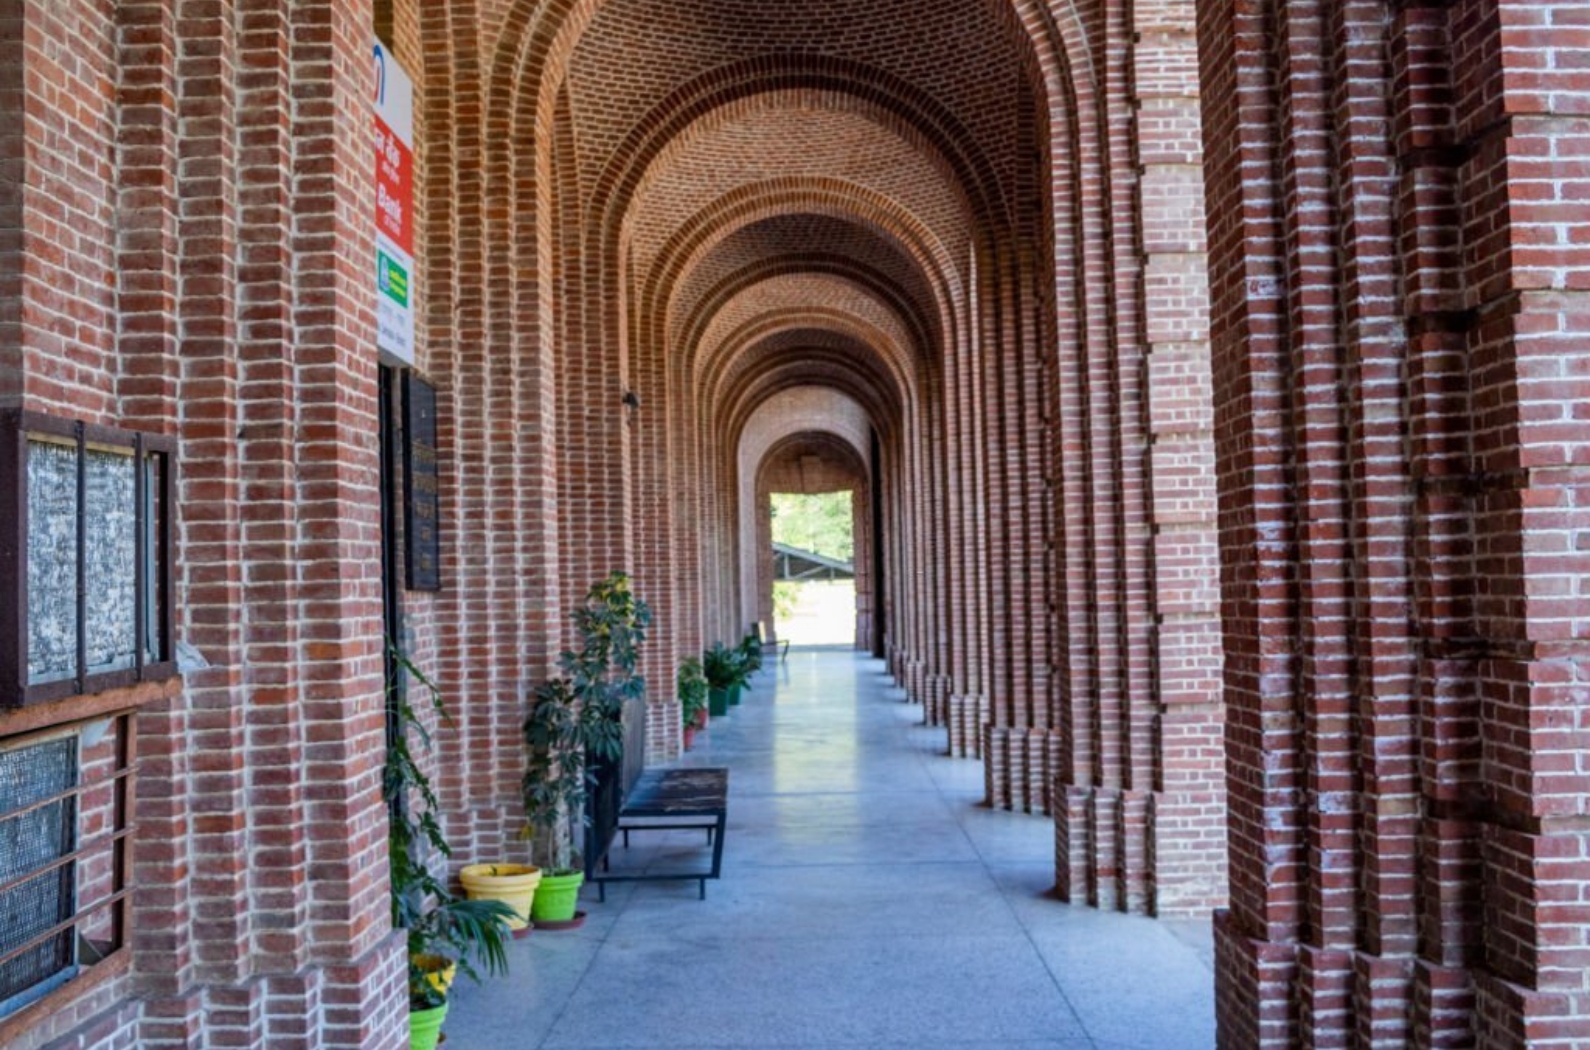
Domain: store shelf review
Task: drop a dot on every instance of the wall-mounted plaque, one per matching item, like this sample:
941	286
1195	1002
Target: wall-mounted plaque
422	522
85	558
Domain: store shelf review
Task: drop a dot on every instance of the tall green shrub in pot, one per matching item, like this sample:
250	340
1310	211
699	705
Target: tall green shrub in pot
574	718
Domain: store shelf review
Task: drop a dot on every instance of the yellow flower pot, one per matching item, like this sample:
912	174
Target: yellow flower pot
513	884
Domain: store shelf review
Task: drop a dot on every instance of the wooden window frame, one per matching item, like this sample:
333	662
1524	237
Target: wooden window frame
16	429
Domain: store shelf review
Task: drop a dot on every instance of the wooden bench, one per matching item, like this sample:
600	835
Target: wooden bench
673	800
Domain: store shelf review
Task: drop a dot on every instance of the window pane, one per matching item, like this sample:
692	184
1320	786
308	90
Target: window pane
52	561
154	560
111	552
29	841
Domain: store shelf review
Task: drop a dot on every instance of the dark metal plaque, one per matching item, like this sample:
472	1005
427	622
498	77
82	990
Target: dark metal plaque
422	526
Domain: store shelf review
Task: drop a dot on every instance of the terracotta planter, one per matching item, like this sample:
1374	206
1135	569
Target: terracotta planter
701	718
513	884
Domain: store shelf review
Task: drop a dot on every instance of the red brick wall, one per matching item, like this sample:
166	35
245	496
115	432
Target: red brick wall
192	263
1396	280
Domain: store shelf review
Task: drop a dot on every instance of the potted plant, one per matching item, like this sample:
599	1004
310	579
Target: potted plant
691	682
742	668
454	934
751	652
512	885
445	933
722	669
574	718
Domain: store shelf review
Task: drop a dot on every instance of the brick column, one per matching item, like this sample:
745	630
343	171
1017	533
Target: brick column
1398	332
1521	97
338	541
1187	818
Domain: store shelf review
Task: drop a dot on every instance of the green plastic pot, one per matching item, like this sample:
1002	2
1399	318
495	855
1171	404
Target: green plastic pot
735	695
425	1027
717	702
556	897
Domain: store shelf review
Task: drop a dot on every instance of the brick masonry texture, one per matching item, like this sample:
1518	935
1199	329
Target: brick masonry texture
1215	375
1400	426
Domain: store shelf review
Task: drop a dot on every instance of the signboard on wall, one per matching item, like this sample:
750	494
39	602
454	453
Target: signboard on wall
422	498
394	209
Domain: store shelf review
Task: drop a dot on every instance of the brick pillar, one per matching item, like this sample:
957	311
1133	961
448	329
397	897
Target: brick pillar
1398	328
1521	127
1257	960
211	552
1187	823
339	527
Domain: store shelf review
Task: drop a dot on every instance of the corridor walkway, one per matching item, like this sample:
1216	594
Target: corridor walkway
868	901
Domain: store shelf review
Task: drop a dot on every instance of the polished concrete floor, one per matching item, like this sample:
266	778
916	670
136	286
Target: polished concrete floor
868	901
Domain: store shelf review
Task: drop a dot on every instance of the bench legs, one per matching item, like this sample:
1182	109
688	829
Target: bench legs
717	848
715	832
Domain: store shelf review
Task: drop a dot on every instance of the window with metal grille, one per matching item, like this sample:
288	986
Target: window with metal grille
65	832
85	558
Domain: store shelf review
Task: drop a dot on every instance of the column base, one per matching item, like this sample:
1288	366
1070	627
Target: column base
966	717
1021	768
1254	1006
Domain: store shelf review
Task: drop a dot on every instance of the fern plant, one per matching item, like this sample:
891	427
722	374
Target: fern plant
723	666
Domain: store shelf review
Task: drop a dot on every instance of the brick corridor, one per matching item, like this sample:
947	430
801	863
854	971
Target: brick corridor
1210	381
868	901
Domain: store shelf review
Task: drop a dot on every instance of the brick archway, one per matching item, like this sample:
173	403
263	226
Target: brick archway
1110	707
806	440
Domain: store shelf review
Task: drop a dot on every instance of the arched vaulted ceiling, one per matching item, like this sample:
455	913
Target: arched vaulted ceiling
813	300
636	55
754	199
751	168
803	243
794	135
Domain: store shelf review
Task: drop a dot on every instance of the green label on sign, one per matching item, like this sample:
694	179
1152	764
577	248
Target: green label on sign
393	277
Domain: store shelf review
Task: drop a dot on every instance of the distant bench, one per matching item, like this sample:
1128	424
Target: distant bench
672	800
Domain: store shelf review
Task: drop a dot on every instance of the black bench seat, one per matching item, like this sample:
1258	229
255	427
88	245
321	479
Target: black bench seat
673	799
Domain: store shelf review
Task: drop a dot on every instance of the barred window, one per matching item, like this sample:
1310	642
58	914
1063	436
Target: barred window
65	831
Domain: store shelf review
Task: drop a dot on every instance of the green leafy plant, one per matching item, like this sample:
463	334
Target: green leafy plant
724	667
579	716
691	685
443	930
750	650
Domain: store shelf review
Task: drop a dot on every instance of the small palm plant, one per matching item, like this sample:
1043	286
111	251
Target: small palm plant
722	666
750	651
